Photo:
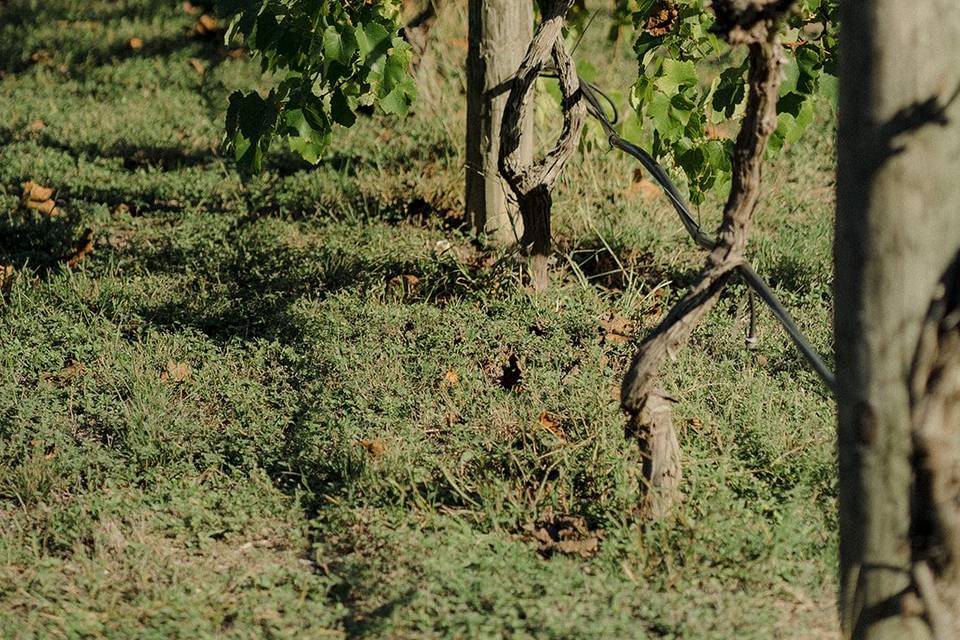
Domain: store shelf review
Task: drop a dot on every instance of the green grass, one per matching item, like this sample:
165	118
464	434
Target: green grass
316	470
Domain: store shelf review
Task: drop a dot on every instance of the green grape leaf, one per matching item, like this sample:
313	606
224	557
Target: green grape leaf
332	56
396	102
340	109
373	40
677	75
306	137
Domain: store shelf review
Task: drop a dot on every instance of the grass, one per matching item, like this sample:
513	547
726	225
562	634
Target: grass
312	406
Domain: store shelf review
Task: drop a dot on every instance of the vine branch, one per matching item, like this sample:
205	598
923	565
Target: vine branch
754	24
531	183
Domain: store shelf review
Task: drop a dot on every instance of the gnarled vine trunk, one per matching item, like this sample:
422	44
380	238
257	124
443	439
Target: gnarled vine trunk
754	23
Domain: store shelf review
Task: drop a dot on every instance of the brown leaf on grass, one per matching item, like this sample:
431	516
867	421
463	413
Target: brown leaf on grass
6	278
136	43
402	284
46	207
374	446
206	25
84	248
616	328
176	372
453	418
35	192
565	534
450	379
36	126
41	57
190	9
73	370
552	424
662	19
197	65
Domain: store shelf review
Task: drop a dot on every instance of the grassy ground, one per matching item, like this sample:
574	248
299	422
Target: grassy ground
311	406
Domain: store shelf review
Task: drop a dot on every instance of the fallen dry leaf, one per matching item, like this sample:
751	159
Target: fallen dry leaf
403	284
6	277
616	328
176	372
374	446
565	534
136	43
450	379
73	370
35	192
47	207
762	360
453	418
197	65
36	125
552	424
41	57
84	247
206	25
189	9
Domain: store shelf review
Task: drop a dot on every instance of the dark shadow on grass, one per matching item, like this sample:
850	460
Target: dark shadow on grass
134	157
790	273
617	266
34	241
259	278
19	16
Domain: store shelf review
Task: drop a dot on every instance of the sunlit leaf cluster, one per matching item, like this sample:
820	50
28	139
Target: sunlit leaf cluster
691	89
332	58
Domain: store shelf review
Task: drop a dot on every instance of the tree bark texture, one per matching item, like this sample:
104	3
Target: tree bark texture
500	31
896	316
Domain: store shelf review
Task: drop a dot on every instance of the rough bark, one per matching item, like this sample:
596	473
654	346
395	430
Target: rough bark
640	386
500	31
897	235
531	181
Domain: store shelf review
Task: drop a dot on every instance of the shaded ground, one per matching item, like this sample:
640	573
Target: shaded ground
311	406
